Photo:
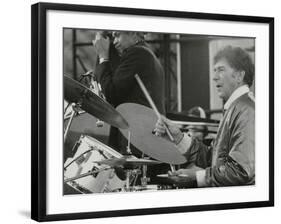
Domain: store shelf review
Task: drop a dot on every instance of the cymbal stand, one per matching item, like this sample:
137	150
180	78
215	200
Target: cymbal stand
144	178
131	177
75	109
128	174
129	152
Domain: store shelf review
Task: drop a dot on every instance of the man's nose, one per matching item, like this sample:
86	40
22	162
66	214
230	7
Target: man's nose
215	76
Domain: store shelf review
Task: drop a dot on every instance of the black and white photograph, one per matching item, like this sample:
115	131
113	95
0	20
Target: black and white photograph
150	111
141	112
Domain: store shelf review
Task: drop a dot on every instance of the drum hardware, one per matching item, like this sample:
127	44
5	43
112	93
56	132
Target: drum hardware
68	115
86	174
94	177
129	152
144	179
76	92
65	109
77	158
76	187
131	178
128	174
92	174
135	173
127	161
82	77
98	181
75	109
96	88
77	144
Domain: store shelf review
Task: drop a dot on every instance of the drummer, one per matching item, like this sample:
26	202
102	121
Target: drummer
233	153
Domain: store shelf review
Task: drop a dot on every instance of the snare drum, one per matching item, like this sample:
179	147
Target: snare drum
89	152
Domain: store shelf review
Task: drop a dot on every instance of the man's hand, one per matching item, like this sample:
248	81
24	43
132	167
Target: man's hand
162	124
182	174
101	45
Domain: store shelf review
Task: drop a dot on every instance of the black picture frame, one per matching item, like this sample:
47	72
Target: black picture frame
39	114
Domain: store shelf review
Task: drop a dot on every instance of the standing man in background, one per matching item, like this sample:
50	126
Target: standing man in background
119	85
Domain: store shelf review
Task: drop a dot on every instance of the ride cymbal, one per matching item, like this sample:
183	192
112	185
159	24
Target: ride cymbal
75	92
142	122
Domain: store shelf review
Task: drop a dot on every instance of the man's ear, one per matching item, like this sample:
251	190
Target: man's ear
240	76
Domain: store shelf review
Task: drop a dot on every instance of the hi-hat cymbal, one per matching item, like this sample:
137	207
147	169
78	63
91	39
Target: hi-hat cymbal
142	122
127	161
76	92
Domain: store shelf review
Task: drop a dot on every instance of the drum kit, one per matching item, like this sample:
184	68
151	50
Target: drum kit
96	167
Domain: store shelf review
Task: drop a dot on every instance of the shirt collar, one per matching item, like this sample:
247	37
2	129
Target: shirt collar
235	95
138	43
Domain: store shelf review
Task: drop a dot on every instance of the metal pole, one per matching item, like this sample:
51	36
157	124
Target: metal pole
166	49
74	65
179	103
81	63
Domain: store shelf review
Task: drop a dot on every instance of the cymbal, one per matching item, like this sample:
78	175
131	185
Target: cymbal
127	161
142	122
76	92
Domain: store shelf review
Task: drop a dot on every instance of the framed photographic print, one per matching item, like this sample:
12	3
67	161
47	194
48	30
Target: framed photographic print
138	111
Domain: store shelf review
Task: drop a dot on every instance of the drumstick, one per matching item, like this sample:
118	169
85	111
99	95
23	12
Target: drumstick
172	168
193	123
167	175
153	106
